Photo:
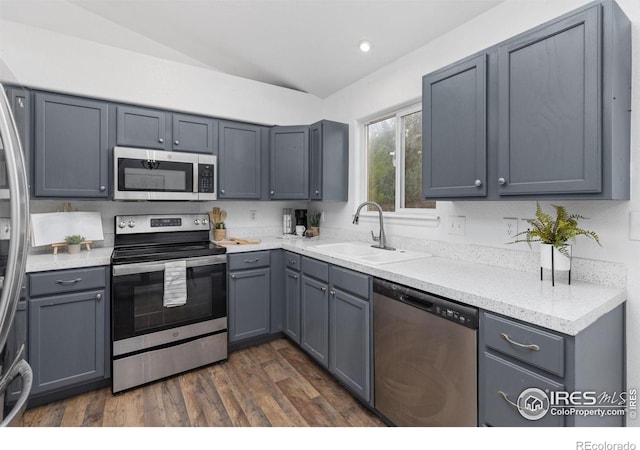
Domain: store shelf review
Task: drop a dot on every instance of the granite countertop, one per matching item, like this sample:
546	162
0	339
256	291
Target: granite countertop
521	295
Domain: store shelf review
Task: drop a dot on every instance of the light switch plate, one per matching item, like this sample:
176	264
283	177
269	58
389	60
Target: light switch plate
634	225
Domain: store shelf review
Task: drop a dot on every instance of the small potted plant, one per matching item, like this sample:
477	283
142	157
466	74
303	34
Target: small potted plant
554	235
219	231
314	224
73	243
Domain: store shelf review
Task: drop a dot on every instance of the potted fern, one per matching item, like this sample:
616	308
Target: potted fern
555	235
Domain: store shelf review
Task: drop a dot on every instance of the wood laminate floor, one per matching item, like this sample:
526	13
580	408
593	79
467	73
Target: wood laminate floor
274	384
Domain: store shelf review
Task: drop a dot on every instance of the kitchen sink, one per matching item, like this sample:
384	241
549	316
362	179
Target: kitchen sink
365	253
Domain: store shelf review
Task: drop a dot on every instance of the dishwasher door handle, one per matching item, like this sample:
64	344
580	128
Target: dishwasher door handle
424	305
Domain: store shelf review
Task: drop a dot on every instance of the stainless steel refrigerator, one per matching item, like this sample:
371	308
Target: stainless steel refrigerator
14	214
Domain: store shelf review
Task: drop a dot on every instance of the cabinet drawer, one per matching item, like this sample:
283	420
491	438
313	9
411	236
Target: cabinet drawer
531	345
249	260
316	269
292	260
59	281
504	378
350	281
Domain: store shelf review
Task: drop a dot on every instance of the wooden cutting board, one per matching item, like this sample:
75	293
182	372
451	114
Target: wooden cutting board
237	241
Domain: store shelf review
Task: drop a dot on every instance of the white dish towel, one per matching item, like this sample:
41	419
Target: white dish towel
175	283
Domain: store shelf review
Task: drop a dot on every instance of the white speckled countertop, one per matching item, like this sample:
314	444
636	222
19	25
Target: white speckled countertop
521	295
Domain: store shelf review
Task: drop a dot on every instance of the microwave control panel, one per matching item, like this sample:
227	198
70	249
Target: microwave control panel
205	178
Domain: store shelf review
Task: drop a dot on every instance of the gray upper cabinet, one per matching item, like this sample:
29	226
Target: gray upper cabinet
454	145
142	127
549	108
555	107
289	163
194	134
240	160
20	102
329	161
71	153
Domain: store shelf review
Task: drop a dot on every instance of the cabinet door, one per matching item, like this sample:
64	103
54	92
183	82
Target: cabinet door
292	305
248	303
141	127
67	339
454	153
15	340
314	320
240	161
71	147
549	109
349	342
20	102
329	161
195	134
289	163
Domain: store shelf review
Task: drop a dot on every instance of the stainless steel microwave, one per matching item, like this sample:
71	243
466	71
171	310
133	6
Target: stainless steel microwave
142	174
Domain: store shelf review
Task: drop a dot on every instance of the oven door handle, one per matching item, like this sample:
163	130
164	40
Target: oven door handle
158	266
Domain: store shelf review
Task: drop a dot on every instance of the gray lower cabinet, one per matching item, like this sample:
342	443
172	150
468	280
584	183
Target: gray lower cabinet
68	332
292	295
314	319
329	161
71	153
516	356
194	134
553	114
240	160
349	331
142	127
249	288
454	148
289	163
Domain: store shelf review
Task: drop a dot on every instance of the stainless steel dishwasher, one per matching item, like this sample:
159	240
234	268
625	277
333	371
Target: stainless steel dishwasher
425	353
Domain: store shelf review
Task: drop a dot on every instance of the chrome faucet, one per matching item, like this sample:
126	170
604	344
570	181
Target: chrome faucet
381	239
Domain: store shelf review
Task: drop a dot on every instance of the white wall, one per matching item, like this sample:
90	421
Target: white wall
399	83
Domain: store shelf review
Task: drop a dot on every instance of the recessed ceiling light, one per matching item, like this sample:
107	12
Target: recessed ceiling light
365	46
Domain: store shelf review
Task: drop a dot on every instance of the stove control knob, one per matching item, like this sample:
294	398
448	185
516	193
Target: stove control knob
122	224
205	221
197	221
132	224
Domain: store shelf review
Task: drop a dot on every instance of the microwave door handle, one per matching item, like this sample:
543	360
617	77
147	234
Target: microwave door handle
196	181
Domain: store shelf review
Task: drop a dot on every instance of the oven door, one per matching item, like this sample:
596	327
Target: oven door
141	174
139	319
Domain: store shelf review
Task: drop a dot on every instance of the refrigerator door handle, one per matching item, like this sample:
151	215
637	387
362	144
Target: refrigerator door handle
21	369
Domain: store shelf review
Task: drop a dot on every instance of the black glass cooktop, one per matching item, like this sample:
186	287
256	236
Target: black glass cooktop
163	252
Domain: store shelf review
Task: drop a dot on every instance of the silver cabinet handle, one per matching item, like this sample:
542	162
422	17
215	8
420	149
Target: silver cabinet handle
317	192
233	276
252	260
477	183
532	347
222	191
160	140
506	399
103	188
295	277
98	297
323	289
271	192
332	292
68	282
501	181
177	142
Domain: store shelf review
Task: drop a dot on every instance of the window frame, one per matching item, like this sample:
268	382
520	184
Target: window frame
399	157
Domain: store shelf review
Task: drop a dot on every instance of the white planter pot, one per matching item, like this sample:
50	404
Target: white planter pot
74	248
560	261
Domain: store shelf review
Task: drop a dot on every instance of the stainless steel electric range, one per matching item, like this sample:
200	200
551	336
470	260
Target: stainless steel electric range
168	298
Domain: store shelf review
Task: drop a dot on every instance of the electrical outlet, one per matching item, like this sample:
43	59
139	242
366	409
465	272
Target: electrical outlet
457	225
510	226
321	216
253	215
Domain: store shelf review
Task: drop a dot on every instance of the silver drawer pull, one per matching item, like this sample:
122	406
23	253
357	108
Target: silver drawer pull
532	347
295	277
506	399
68	282
252	260
323	289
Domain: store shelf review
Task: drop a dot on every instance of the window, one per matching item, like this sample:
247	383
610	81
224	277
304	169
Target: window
394	161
